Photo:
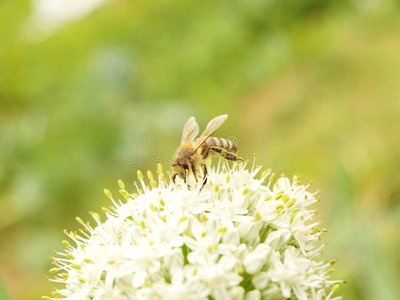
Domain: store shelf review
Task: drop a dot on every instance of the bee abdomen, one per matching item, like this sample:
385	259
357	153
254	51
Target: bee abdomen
228	146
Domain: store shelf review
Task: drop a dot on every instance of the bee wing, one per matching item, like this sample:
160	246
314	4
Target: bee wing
190	131
212	127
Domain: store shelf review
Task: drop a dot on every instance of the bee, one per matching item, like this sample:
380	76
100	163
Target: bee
192	153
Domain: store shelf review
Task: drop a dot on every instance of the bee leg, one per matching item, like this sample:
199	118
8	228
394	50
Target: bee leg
232	157
174	180
185	179
204	177
228	156
216	151
194	172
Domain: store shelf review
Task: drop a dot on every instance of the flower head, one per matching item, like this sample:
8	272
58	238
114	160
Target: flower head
237	238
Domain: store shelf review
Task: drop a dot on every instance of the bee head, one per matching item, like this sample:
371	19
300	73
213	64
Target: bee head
181	163
184	165
180	167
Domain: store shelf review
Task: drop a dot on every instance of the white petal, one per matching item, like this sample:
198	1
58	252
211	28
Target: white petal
278	238
260	280
253	295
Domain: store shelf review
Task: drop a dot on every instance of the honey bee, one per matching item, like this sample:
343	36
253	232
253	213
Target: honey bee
192	154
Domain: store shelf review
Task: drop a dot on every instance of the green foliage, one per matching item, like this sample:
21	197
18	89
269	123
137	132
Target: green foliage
313	82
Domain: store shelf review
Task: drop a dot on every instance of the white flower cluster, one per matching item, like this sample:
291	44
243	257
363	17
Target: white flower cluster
237	238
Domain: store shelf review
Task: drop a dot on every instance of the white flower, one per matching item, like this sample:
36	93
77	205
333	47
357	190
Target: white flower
256	260
291	273
238	238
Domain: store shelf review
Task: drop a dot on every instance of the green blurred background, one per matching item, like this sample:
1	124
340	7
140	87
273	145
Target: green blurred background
89	94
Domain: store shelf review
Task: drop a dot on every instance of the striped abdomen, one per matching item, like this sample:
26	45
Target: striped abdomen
220	143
